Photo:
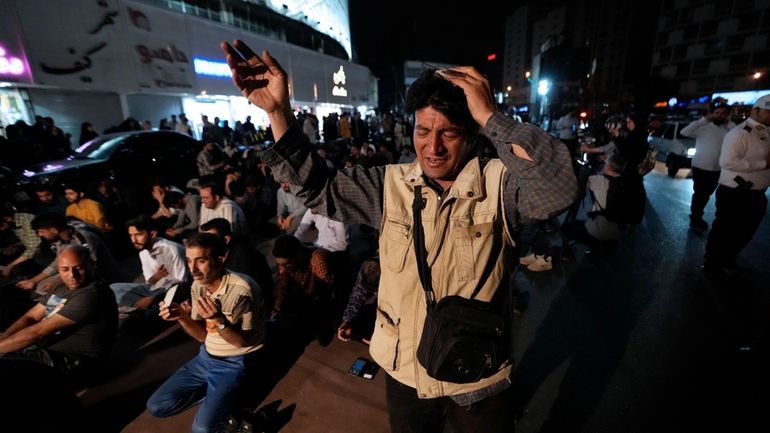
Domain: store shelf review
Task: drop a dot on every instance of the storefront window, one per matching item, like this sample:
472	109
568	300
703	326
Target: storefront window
12	108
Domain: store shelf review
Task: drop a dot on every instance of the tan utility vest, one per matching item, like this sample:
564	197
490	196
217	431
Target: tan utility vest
465	237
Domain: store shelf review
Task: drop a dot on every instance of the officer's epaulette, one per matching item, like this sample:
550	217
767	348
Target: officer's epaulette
747	128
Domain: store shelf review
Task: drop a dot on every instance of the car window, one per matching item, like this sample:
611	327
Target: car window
151	142
135	146
100	147
170	142
668	133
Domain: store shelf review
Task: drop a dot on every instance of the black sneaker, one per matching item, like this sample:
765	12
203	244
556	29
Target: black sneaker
247	423
232	425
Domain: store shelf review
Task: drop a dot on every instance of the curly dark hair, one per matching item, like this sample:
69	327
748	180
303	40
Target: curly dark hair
207	241
287	247
430	90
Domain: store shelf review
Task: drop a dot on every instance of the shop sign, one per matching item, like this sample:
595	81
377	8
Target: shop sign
10	65
339	81
211	68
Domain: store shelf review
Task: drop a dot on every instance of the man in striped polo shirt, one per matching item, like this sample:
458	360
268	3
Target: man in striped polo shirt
226	314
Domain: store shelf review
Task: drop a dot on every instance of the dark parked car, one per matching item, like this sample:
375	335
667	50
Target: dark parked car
129	159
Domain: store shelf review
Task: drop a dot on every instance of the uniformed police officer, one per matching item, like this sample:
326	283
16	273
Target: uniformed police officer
740	198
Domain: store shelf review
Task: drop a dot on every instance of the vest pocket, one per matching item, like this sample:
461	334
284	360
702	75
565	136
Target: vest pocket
385	341
398	237
470	243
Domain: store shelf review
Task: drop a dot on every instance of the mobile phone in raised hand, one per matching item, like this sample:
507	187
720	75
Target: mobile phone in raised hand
451	73
170	295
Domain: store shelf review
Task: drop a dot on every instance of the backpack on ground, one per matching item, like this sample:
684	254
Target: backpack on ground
626	201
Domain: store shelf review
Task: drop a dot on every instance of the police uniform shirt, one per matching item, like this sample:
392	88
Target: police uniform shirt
744	153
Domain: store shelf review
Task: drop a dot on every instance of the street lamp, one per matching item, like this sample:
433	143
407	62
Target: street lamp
757	75
543	86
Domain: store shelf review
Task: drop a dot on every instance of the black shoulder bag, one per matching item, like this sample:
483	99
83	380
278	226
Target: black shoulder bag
463	340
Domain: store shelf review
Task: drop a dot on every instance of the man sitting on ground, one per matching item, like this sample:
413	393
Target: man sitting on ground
18	255
305	279
163	266
83	208
359	315
49	200
215	205
54	229
185	210
290	209
158	189
72	329
227	315
597	230
242	258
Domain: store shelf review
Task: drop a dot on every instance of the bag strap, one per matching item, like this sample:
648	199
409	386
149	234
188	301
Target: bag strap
419	249
423	270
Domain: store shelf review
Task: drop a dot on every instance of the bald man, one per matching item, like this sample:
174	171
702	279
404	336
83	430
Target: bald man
72	328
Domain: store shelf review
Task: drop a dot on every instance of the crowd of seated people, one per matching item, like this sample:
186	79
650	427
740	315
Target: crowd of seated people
69	256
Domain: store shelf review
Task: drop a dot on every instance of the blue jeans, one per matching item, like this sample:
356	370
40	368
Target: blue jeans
129	293
211	381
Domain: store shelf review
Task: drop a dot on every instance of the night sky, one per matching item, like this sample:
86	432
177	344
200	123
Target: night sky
385	33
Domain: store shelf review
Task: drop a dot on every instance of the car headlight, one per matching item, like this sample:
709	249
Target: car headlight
691	152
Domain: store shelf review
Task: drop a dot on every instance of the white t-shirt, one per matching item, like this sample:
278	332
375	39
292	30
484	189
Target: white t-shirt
708	142
169	254
600	227
332	235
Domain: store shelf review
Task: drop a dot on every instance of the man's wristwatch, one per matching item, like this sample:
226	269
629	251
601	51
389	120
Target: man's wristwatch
212	324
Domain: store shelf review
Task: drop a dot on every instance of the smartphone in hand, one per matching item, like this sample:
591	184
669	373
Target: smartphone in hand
170	295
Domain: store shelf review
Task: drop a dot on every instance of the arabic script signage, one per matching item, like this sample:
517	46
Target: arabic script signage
82	51
114	45
170	54
339	81
10	65
14	64
160	48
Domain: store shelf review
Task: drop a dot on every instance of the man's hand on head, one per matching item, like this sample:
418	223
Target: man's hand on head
477	91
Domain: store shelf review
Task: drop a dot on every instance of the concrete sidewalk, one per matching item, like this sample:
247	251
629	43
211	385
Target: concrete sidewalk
300	389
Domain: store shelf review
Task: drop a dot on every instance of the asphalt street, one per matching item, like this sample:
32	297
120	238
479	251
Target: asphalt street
639	340
631	340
